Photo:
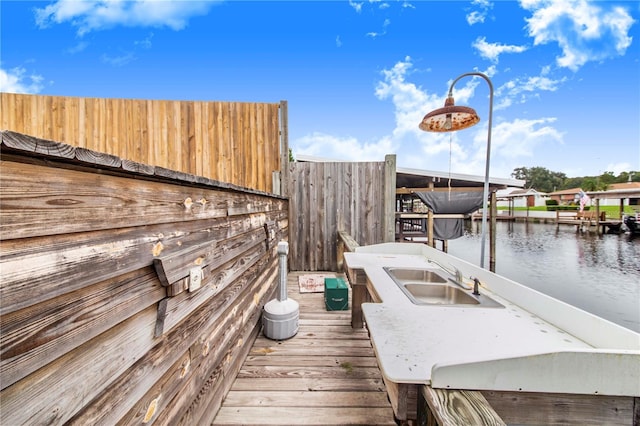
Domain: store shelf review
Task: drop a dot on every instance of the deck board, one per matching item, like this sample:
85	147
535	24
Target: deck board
326	374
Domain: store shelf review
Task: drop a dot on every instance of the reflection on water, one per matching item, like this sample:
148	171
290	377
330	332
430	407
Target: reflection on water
597	273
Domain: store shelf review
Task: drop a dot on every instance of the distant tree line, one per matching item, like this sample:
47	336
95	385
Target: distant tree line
544	180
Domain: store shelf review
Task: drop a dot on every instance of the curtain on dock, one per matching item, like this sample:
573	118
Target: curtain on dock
450	203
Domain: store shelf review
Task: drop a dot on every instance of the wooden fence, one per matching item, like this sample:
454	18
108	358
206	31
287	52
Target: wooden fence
125	298
233	142
358	198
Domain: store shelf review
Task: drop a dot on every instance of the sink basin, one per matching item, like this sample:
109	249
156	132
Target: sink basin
434	294
422	275
433	287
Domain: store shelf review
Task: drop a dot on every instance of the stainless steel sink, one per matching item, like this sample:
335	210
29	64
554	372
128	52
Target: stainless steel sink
435	287
423	275
436	294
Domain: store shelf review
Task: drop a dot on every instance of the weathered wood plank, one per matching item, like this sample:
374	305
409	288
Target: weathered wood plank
37	269
204	411
214	379
80	202
312	343
208	255
301	350
133	384
215	281
336	320
303	416
327	372
34	337
346	243
308	384
312	361
389	219
133	166
456	407
97	158
399	398
343	370
36	145
359	210
306	399
127	343
149	378
167	134
326	335
516	408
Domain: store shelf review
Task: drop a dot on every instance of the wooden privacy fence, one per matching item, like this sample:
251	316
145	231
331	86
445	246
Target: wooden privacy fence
125	298
358	198
232	142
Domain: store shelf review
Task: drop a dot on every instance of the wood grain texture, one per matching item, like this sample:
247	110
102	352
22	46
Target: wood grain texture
311	378
542	408
79	297
184	136
34	337
36	145
176	368
61	258
456	407
327	197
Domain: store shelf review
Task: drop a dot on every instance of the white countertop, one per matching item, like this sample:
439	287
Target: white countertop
510	348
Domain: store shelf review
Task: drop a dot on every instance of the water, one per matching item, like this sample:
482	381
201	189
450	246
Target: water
597	273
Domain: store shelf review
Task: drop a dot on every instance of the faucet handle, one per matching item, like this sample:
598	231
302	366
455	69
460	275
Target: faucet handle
476	284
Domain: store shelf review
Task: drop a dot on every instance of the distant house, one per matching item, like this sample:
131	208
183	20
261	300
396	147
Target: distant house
626	193
566	196
519	197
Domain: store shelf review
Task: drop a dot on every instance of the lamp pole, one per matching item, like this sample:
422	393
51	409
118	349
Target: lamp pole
458	118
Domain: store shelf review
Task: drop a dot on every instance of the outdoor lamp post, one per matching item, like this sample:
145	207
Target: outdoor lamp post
451	118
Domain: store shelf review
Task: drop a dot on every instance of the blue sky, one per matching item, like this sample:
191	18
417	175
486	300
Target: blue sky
360	75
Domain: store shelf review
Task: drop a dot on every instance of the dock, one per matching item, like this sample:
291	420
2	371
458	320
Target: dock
326	374
585	221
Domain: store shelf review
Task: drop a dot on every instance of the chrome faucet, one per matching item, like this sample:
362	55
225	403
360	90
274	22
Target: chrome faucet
456	272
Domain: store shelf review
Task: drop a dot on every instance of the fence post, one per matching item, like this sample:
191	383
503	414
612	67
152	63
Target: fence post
389	217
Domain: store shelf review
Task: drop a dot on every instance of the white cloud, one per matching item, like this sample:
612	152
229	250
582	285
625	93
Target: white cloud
385	24
357	6
343	148
617	168
519	90
510	143
459	152
475	17
518	138
338	41
91	15
16	80
492	51
585	31
407	5
79	47
479	16
118	61
144	43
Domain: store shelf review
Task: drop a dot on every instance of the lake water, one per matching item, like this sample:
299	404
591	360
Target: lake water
597	273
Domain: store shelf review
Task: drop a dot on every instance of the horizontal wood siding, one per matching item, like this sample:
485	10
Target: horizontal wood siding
81	299
231	142
329	197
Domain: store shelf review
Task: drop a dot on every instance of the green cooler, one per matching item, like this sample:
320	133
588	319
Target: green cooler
336	294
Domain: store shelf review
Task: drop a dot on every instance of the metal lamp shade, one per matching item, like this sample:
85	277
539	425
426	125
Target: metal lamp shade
449	118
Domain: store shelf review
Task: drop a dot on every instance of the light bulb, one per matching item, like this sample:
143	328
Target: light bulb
447	122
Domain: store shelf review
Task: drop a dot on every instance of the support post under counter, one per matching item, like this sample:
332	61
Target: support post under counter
358	280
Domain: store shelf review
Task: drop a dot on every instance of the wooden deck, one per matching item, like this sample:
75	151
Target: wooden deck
326	374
